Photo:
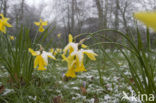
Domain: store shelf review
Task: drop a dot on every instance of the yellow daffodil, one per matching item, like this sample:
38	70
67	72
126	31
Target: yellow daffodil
75	57
59	35
41	60
41	23
71	46
148	18
4	23
80	56
12	37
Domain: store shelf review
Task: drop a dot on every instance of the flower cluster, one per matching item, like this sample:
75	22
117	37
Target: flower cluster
75	56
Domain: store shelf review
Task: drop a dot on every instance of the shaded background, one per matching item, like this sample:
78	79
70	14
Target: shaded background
78	16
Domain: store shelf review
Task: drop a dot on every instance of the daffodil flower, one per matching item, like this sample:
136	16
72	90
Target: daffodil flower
41	60
80	56
148	18
4	23
41	23
12	37
59	35
71	46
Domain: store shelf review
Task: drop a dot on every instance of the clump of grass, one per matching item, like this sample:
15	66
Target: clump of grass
141	61
15	56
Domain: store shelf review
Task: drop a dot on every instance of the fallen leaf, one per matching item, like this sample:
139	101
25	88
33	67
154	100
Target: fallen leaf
57	99
83	90
1	89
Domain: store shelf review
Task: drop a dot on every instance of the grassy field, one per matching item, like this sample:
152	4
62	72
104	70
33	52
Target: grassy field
47	86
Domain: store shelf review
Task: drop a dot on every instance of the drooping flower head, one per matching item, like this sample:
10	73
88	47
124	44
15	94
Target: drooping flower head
79	55
4	23
40	24
41	58
71	62
148	18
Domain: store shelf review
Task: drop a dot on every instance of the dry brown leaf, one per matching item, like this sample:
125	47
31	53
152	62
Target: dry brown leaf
1	89
57	99
83	90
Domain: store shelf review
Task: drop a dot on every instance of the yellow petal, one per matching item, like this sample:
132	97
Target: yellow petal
91	55
80	68
44	23
148	18
37	23
51	57
84	46
41	63
3	29
64	57
70	38
32	52
8	25
36	61
70	73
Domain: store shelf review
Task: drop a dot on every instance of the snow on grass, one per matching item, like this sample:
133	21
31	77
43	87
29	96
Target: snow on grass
7	91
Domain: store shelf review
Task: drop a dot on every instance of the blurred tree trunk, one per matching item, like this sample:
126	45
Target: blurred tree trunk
100	14
22	9
123	13
1	5
72	16
68	22
106	13
5	7
117	15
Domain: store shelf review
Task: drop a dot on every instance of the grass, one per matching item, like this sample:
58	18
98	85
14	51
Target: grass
47	85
